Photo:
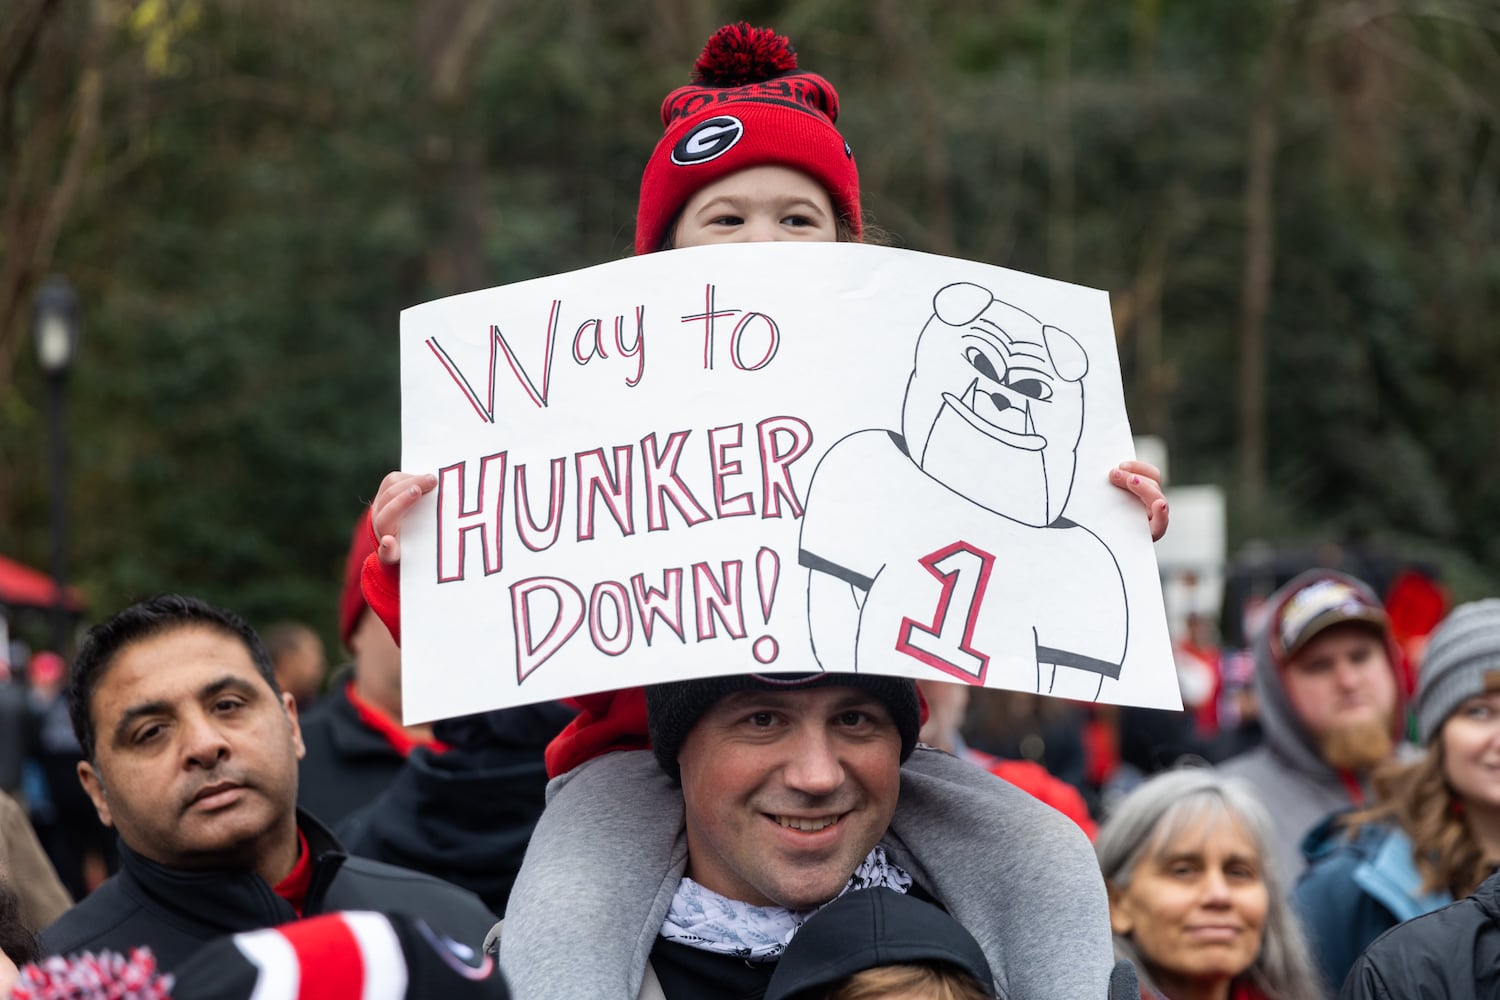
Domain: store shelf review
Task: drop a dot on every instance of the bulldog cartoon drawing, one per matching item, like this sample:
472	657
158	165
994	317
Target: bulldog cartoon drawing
959	557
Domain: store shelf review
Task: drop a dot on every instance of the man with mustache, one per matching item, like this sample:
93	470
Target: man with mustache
1330	704
190	753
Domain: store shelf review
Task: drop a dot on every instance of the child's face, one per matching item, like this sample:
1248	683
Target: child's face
758	205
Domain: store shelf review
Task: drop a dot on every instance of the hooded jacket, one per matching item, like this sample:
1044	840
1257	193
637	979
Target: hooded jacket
1451	954
174	911
607	856
465	815
1296	785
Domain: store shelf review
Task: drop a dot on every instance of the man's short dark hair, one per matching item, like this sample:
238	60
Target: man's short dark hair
151	617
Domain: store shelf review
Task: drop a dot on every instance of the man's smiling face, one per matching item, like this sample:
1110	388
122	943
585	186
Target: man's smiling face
786	792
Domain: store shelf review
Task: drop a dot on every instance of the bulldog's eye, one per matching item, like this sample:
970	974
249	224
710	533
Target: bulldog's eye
981	364
1032	387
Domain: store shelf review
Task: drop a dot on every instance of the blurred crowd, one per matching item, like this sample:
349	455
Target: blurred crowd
1329	783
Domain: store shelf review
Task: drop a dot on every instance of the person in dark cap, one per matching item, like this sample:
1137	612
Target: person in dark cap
878	943
1330	704
685	870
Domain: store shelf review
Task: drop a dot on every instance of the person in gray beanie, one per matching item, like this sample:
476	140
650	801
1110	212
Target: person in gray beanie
1434	834
1461	656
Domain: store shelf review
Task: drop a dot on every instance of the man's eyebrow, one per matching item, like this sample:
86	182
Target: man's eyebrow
229	682
749	697
130	715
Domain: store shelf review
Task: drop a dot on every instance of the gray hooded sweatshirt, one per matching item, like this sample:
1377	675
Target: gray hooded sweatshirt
1296	785
610	850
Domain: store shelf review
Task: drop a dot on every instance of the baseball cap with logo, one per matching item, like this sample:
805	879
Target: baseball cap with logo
1325	602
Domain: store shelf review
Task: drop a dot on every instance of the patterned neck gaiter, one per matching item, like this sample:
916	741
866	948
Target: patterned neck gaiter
701	918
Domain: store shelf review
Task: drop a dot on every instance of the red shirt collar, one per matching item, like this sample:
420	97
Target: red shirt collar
403	741
293	888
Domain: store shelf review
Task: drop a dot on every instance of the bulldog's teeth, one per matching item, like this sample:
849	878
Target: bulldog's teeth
1015	419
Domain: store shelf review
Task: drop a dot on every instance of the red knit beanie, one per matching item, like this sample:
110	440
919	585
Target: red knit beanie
748	106
352	600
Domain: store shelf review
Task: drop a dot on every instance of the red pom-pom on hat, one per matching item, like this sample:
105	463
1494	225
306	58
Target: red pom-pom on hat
738	54
749	106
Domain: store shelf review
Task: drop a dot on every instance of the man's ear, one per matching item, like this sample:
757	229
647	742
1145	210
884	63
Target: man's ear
94	786
290	705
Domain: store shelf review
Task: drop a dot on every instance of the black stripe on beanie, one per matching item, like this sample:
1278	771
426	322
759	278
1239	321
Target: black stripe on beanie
672	709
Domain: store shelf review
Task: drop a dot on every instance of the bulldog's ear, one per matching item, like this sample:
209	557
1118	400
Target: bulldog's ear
961	303
1067	354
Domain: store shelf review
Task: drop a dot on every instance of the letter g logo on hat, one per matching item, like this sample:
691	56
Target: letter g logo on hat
709	140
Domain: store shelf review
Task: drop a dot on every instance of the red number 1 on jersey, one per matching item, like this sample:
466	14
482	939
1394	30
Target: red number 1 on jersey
964	572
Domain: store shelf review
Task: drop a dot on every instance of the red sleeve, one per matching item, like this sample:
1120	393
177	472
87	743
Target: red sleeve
382	589
606	721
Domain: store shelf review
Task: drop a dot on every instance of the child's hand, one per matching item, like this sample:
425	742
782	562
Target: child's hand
1144	481
398	493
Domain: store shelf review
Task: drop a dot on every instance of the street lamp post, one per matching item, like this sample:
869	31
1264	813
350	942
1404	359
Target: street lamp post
55	327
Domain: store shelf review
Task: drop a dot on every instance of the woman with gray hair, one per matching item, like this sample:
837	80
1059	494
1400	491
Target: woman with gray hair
1195	899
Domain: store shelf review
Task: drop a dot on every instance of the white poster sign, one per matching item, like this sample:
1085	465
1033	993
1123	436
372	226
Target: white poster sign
772	458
